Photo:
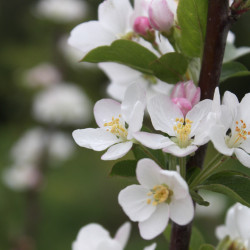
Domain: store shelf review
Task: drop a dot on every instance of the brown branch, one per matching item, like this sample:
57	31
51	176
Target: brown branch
219	22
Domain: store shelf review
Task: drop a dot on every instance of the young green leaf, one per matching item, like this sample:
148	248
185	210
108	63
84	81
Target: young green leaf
198	199
233	69
170	67
124	168
235	186
206	247
125	52
196	239
192	19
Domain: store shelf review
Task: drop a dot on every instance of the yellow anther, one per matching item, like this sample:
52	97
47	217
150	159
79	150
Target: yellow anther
148	201
177	119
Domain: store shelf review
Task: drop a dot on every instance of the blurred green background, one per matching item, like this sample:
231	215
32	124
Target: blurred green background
80	191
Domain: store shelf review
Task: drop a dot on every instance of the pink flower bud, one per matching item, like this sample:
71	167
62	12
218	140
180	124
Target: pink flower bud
185	95
142	25
160	15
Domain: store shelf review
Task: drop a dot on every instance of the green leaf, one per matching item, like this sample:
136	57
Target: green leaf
196	239
192	19
124	168
170	67
233	69
157	155
206	247
235	186
167	232
125	52
198	199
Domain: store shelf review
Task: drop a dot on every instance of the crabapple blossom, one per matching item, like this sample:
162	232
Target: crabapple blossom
185	95
237	226
232	134
62	104
184	131
117	124
161	195
160	15
94	237
142	26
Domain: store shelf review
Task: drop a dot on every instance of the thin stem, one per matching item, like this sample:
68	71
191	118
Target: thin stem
172	162
182	163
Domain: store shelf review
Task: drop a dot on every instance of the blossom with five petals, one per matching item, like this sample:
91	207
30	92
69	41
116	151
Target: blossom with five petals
232	134
117	124
161	195
184	132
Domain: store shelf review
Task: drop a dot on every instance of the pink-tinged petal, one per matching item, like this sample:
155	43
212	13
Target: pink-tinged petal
148	173
192	93
90	35
163	113
117	151
245	145
105	109
182	210
89	236
133	200
217	135
156	223
133	105
142	26
230	100
183	104
160	15
123	233
116	91
153	141
178	91
176	183
96	139
243	157
115	15
180	152
151	247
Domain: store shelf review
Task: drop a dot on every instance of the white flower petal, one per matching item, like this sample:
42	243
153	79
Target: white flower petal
133	104
151	247
217	136
90	35
163	113
221	232
182	210
133	200
243	219
117	151
148	173
230	100
153	141
243	157
96	139
116	91
244	110
156	223
246	145
180	152
105	109
108	244
114	15
123	233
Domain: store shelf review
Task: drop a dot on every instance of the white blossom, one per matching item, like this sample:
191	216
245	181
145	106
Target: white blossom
117	124
237	225
161	195
62	104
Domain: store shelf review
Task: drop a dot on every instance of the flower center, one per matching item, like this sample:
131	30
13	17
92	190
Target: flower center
238	135
160	194
117	127
183	130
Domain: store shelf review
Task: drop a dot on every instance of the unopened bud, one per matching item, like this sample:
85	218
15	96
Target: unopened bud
160	15
142	26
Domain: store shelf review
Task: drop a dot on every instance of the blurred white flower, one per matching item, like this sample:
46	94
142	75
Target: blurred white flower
216	207
21	177
62	10
65	104
237	225
94	237
29	149
42	75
